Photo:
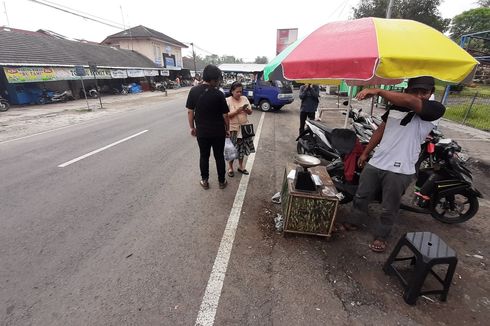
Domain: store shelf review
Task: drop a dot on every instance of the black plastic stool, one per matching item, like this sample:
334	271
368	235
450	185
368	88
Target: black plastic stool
429	250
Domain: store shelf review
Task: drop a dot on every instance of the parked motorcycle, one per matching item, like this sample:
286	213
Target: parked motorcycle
4	104
158	86
125	89
53	97
317	140
444	188
91	92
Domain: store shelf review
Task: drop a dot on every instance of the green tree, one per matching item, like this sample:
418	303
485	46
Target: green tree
262	59
424	11
212	59
484	3
472	21
230	59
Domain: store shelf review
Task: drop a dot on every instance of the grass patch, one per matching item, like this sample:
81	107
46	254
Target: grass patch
467	90
479	116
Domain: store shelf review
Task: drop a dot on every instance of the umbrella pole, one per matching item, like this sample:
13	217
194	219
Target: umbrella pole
372	104
348	107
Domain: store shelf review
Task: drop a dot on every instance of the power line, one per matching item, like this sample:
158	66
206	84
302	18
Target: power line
78	13
338	7
198	47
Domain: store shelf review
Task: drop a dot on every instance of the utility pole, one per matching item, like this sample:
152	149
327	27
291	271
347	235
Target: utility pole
388	11
6	15
194	56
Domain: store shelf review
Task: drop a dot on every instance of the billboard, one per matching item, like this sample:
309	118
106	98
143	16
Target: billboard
285	37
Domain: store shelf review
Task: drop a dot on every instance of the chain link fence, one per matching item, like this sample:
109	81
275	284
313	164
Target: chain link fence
468	107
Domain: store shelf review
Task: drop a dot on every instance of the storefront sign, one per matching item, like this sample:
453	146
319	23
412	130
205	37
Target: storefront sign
151	72
136	73
165	72
119	74
71	74
29	74
169	62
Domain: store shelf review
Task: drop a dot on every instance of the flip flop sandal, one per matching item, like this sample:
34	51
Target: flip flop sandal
378	246
231	174
244	171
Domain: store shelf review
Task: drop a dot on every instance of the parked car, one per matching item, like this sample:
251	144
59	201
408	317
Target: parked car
266	95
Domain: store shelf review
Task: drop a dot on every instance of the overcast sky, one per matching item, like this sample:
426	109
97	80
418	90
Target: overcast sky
244	29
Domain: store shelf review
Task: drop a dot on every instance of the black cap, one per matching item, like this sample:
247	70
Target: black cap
424	82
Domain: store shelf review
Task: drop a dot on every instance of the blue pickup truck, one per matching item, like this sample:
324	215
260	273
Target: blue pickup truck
265	95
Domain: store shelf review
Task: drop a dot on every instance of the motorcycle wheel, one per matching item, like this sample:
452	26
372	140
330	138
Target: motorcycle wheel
300	149
4	106
308	138
455	208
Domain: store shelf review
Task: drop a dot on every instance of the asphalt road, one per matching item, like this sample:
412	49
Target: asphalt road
126	236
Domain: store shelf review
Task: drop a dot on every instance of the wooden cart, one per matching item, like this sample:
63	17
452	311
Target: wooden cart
309	212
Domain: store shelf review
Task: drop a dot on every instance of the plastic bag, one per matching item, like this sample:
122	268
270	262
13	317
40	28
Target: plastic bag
231	152
276	199
279	223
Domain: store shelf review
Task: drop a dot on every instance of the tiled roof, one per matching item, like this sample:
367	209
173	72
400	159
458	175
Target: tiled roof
29	48
144	32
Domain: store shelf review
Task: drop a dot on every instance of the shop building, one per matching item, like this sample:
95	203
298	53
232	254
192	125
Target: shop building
31	62
161	49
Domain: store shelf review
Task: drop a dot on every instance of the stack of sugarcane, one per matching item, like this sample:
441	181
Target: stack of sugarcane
309	215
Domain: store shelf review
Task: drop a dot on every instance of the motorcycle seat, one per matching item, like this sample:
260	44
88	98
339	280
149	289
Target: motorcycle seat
326	130
343	140
321	125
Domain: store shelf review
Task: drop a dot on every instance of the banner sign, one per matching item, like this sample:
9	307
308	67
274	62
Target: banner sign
119	74
17	75
29	74
136	73
151	72
165	72
40	74
285	37
71	74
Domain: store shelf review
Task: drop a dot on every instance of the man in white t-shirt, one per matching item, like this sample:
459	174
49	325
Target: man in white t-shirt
409	119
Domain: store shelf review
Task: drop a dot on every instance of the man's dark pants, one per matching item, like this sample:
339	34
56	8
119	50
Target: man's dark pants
392	185
302	119
218	145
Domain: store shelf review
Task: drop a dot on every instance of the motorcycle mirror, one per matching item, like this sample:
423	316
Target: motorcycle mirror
345	103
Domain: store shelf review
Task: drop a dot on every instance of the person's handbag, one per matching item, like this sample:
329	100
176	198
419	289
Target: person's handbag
247	130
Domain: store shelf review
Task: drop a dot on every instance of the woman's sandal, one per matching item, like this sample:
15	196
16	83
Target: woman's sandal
244	171
343	227
350	227
231	174
378	245
338	228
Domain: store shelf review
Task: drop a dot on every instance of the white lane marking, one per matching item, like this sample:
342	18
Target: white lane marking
210	301
100	150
